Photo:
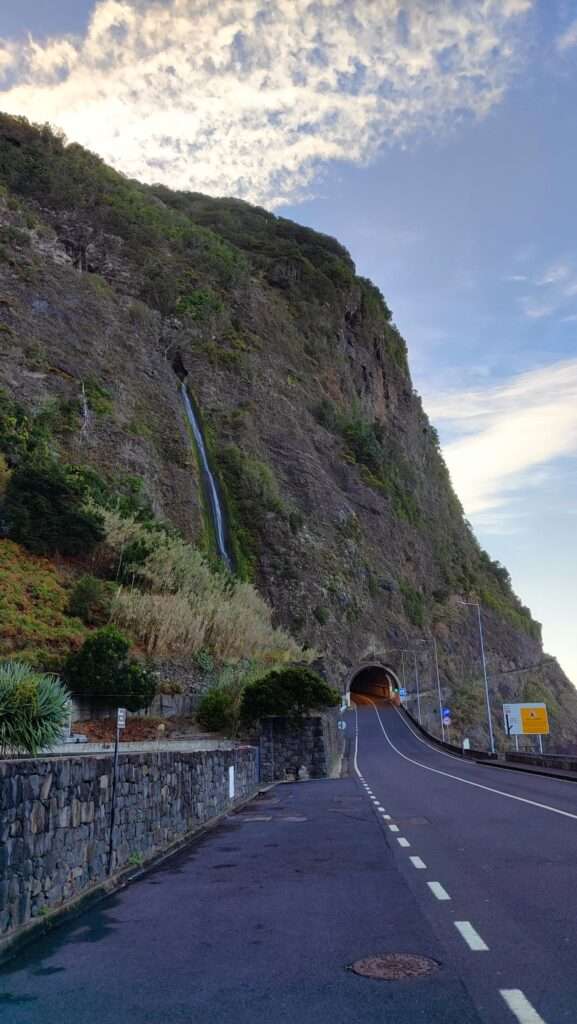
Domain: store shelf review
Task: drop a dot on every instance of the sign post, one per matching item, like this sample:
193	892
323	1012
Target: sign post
120	725
526	720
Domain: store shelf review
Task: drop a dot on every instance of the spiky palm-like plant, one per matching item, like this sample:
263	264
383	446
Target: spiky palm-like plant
34	709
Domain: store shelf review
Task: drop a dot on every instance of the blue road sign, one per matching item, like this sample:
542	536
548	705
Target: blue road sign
402	692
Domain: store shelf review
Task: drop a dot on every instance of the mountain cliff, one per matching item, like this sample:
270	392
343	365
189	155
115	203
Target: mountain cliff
337	502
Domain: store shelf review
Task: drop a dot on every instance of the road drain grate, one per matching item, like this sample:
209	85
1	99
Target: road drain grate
394	966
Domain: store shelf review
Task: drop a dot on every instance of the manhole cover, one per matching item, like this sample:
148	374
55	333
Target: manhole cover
394	966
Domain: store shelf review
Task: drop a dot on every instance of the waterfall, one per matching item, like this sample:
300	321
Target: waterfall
209	480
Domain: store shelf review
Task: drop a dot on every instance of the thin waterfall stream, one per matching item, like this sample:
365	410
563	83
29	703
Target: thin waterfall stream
209	480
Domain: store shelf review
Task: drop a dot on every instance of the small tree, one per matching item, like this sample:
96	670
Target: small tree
91	600
34	709
103	669
290	691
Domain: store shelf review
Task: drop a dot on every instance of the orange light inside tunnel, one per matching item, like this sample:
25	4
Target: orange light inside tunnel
375	682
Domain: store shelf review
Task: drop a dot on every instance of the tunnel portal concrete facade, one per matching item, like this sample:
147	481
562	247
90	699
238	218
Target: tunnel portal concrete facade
374	679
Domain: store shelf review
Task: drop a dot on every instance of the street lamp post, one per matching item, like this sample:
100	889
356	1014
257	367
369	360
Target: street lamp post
434	642
402	651
475	604
418	687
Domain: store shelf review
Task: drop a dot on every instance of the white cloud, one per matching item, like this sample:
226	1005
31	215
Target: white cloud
537	310
555	274
506	433
251	97
568	39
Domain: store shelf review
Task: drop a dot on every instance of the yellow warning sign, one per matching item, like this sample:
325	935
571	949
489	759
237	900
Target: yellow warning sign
535	721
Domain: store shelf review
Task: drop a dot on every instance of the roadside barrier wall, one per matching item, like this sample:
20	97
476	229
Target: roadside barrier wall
55	819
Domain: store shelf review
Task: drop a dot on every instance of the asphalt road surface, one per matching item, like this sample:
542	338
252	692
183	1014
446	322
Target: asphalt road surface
260	920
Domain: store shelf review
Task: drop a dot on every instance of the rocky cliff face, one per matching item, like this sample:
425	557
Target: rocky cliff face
338	500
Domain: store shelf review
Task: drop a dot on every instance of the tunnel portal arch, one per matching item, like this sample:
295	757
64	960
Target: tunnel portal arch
374	679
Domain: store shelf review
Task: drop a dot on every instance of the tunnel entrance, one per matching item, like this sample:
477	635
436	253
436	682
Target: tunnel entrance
374	681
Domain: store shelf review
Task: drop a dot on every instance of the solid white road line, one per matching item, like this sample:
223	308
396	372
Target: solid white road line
418	863
429	746
471	937
520	1006
403	842
356	759
464	760
438	891
468	782
394	828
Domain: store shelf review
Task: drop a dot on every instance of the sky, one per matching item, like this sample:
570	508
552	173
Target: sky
436	138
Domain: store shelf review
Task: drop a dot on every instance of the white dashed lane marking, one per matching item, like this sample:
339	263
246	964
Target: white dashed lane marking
418	863
471	937
403	842
394	828
438	891
520	1006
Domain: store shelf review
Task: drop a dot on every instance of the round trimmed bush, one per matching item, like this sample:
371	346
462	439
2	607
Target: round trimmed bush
291	691
103	669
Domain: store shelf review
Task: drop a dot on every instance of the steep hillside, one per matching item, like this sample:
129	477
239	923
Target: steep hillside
339	504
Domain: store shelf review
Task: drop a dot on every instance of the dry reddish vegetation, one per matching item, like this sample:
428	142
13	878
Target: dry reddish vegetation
103	730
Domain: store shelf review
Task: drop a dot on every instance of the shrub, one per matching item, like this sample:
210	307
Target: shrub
34	626
34	709
215	711
413	603
91	601
45	513
103	669
98	397
4	475
184	607
290	691
220	709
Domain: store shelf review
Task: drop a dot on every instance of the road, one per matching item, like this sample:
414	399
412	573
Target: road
258	921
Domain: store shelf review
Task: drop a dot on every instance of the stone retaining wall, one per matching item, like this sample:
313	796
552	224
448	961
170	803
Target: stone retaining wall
310	747
55	818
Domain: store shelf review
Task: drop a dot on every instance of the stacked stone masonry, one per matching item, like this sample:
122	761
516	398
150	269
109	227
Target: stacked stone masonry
310	747
55	818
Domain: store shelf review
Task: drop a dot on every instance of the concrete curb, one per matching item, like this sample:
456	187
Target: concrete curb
13	944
